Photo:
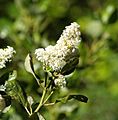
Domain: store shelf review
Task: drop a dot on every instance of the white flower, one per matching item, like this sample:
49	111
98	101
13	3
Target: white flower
6	55
2	88
60	81
70	36
30	100
56	57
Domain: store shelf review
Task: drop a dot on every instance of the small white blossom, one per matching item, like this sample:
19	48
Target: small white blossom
56	57
30	100
6	55
60	81
2	88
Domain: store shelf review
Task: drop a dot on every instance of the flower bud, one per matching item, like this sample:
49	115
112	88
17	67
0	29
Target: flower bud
60	81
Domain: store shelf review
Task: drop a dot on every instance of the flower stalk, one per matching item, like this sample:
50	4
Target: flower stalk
41	101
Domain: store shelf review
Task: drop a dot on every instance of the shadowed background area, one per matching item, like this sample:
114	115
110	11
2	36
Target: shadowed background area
30	24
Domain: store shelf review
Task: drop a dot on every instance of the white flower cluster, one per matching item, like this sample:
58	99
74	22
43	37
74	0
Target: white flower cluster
6	55
60	81
56	57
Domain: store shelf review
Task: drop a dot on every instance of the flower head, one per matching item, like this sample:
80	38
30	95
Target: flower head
70	36
60	81
66	48
6	55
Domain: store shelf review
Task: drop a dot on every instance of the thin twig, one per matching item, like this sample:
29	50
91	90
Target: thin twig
28	111
49	104
38	81
41	102
48	97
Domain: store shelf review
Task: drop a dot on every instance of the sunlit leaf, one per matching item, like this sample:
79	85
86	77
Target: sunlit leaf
12	75
109	14
29	66
6	109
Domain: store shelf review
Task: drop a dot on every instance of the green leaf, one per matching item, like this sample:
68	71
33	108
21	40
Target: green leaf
70	66
29	66
80	98
12	75
14	90
109	14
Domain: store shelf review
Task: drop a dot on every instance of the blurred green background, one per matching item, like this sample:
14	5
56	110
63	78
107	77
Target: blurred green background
30	24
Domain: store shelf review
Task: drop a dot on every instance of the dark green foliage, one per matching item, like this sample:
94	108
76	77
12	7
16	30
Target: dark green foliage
81	98
70	66
14	90
29	24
